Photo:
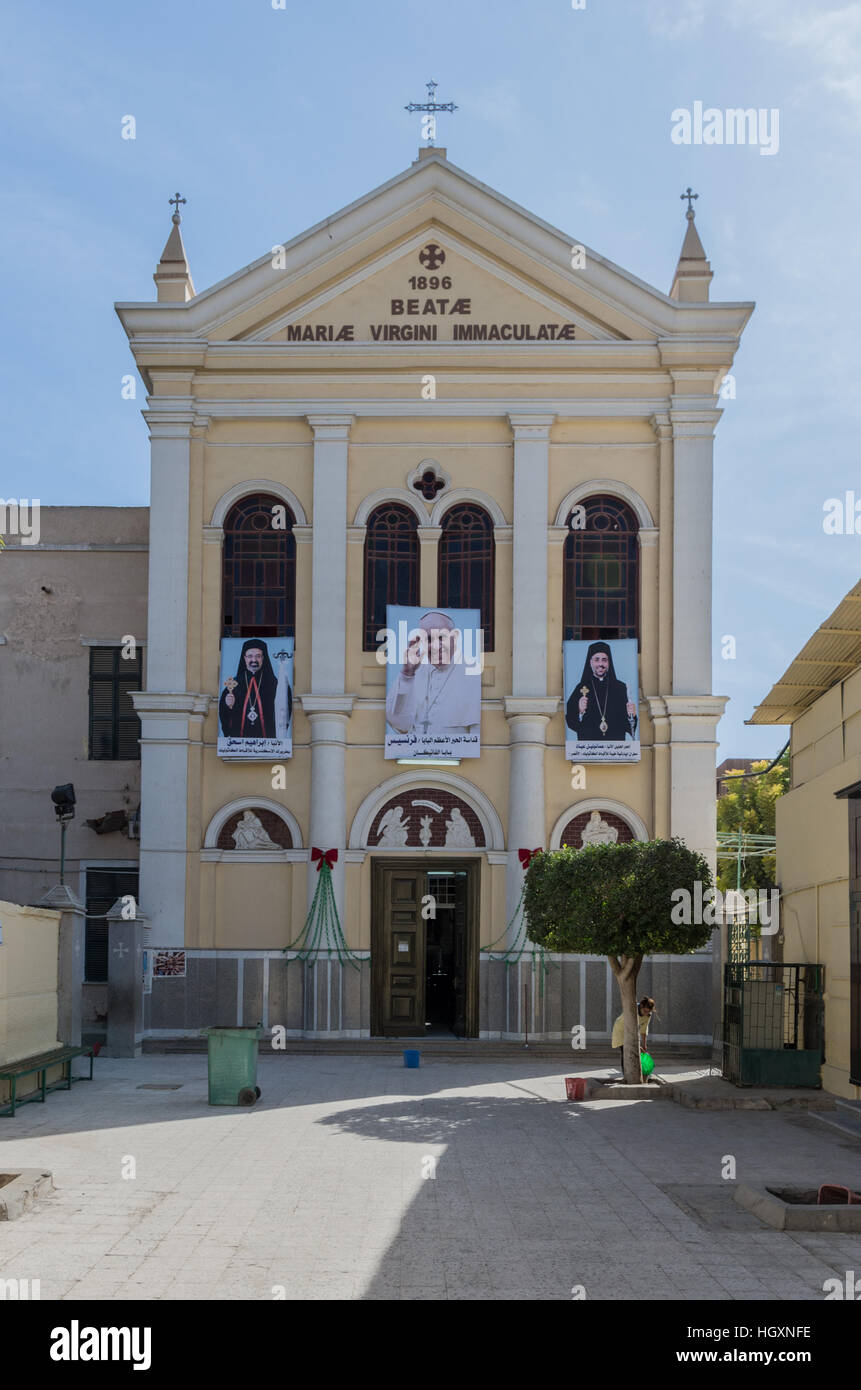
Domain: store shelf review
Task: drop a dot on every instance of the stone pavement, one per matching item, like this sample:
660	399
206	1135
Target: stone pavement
354	1178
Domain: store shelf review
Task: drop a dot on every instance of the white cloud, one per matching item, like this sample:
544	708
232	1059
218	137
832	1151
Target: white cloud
830	40
675	19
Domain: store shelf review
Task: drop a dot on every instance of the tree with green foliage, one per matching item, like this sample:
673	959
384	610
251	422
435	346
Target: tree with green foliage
616	901
749	805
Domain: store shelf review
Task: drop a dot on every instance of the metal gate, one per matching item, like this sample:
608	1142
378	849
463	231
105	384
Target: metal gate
773	1032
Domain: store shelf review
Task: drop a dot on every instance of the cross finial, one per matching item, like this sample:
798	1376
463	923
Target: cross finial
690	197
176	200
431	105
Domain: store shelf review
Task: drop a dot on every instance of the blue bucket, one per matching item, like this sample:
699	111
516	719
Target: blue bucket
411	1057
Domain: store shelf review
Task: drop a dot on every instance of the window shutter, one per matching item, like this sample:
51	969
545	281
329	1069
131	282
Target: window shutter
114	726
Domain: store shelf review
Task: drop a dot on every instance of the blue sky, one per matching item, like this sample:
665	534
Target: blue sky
267	120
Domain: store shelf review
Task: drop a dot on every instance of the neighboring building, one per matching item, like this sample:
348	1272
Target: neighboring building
819	827
733	765
441	411
66	604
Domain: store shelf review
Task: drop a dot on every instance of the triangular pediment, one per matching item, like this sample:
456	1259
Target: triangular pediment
367	273
436	287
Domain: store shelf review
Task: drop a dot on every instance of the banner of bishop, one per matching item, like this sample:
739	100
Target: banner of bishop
255	703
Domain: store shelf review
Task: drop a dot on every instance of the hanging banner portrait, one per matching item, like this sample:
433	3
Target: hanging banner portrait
434	659
602	721
255	704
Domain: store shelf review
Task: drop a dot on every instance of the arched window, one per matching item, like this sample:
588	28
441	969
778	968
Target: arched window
258	570
601	572
391	566
467	564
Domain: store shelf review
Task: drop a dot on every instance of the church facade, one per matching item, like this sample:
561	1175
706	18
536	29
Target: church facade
433	402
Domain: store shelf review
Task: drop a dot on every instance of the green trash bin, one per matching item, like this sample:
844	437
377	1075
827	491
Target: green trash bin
233	1065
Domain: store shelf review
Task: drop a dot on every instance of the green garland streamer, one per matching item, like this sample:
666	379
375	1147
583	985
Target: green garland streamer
322	934
522	949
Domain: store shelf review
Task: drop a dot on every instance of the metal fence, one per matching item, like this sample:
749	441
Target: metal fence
773	1029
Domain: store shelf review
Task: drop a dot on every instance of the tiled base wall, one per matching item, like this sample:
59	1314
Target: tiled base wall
330	1000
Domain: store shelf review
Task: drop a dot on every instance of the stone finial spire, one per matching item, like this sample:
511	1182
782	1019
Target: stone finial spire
693	272
173	277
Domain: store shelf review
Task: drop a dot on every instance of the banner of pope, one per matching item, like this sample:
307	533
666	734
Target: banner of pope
433	682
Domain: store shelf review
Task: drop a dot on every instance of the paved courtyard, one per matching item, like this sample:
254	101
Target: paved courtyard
354	1178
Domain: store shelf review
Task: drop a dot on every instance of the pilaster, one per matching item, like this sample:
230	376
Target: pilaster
693	740
664	435
429	560
167	733
125	983
167	602
527	730
329	562
328	717
693	438
529	569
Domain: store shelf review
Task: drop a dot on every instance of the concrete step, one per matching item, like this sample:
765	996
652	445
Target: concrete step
464	1049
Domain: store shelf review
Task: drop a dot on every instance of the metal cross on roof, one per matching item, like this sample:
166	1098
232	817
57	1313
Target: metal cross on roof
690	197
432	106
176	200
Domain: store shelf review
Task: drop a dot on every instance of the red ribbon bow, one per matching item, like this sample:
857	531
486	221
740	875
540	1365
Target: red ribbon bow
325	856
527	855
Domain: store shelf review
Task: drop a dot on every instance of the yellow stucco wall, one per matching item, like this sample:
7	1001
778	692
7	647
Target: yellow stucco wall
477	453
28	981
610	402
813	860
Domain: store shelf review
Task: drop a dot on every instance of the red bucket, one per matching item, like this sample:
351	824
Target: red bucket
833	1194
575	1087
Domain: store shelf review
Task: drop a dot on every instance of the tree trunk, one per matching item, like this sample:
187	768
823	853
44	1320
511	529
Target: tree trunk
626	969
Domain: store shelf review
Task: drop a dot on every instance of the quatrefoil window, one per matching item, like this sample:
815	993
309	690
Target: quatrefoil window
429	485
428	479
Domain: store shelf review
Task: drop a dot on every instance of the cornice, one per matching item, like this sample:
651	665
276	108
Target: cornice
531	427
705	706
254	856
169	424
236	408
156	704
660	423
692	422
328	427
515	705
327	704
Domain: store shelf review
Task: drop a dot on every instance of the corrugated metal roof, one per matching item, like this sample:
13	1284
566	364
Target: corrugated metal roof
832	653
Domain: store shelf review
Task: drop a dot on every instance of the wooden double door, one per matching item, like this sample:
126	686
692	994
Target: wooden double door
424	948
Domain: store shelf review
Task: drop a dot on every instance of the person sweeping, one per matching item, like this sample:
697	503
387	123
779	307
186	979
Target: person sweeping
645	1009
